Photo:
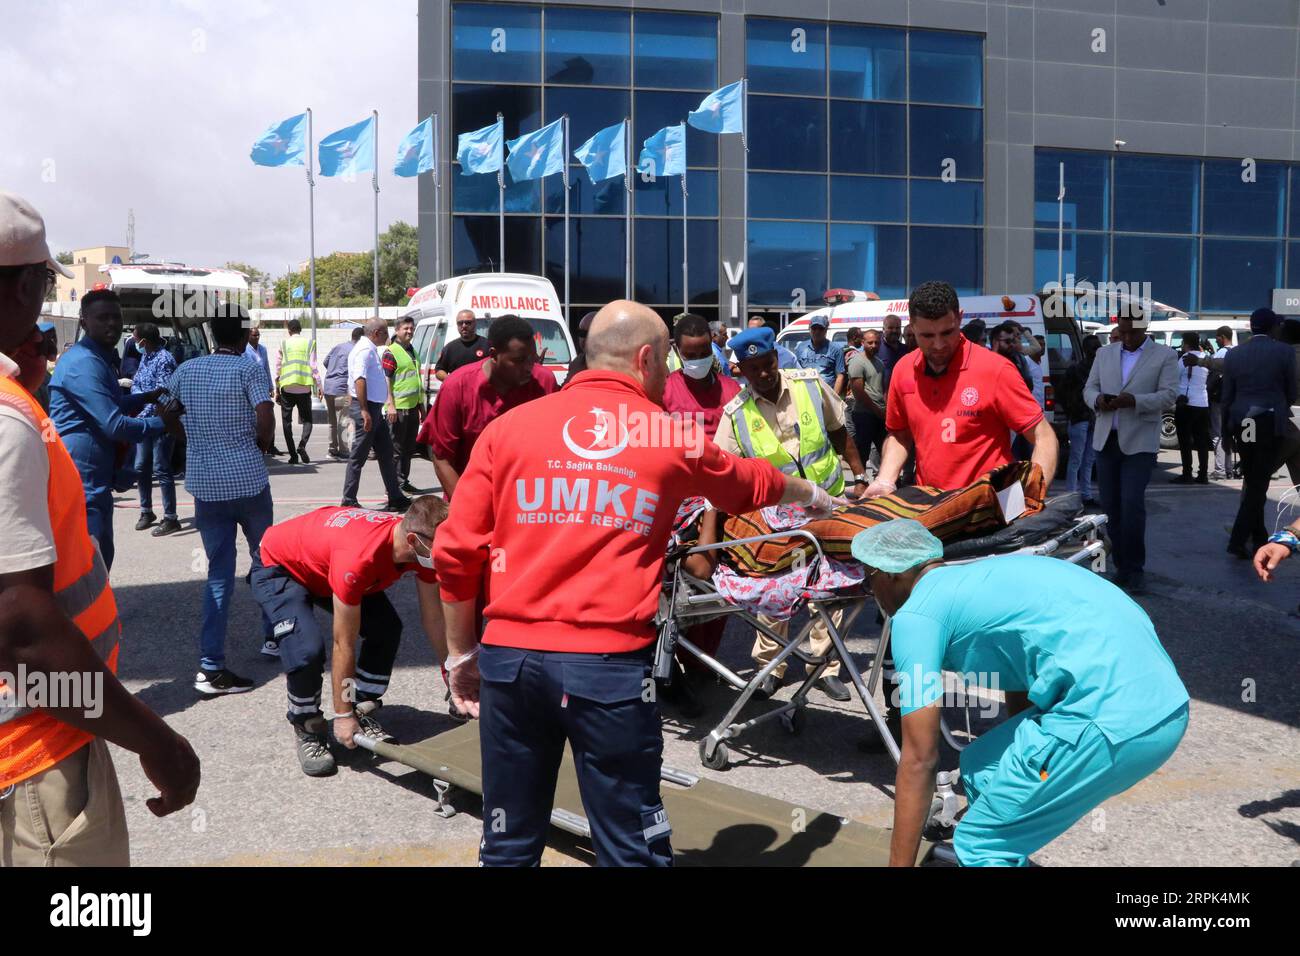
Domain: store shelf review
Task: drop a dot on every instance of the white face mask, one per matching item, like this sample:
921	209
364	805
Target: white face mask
698	368
425	562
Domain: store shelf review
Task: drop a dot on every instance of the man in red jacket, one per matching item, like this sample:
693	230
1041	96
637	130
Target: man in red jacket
344	560
566	508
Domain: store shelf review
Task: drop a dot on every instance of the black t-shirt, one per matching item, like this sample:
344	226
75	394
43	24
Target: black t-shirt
456	353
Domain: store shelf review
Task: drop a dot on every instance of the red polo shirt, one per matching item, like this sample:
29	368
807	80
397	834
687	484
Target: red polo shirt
684	395
961	420
467	403
346	552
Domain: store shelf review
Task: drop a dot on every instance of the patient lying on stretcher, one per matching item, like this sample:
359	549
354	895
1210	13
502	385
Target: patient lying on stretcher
776	576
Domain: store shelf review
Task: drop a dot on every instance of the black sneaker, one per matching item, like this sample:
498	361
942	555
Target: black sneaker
302	453
1181	480
293	458
349	503
146	519
313	747
168	526
398	506
224	681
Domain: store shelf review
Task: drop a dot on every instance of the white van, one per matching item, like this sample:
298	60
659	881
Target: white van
179	299
850	309
488	295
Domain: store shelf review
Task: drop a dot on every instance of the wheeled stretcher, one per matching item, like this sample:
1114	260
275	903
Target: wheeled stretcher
687	600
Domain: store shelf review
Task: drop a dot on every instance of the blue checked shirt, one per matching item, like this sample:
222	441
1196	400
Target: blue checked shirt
220	393
154	371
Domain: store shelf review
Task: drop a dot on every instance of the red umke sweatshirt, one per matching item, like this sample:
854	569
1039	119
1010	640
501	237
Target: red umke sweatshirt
566	508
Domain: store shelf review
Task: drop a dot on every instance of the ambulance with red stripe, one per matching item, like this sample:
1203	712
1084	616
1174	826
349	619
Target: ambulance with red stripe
488	295
1047	314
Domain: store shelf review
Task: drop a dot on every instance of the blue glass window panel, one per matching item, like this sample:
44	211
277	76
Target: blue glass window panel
868	63
478	193
474	106
787	196
676	51
605	198
663	197
1239	275
786	56
1293	264
1084	256
516	31
869	257
947	68
656	110
1169	264
589	110
588	46
939	133
787	133
785	257
596	258
955	256
868	138
1087	189
957	203
1295	202
1236	208
1156	194
658	256
868	198
474	244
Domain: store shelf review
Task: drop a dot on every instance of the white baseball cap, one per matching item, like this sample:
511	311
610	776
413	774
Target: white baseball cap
22	235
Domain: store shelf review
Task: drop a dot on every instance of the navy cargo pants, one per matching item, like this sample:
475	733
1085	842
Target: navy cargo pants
531	702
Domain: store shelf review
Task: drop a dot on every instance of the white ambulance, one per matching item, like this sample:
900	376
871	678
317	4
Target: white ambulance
488	295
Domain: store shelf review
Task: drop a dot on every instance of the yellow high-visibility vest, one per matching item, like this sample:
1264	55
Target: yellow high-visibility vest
295	361
406	380
818	461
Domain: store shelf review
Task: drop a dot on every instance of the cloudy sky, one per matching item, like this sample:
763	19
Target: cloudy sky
153	105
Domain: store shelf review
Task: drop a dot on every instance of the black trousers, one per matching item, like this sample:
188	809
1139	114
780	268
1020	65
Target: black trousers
1122	483
303	647
302	402
405	429
381	439
1256	441
1193	424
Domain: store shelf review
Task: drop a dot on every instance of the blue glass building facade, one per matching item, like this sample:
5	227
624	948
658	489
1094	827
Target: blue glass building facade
889	142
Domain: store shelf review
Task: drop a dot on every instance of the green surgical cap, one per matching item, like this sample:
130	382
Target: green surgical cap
894	546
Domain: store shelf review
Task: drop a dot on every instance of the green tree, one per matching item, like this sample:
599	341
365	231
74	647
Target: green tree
347	278
254	274
64	258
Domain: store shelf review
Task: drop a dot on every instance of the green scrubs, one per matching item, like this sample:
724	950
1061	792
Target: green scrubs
1108	707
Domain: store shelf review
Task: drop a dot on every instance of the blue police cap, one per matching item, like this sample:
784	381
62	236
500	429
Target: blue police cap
753	342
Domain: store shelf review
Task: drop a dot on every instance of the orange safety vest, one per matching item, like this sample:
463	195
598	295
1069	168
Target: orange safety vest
32	741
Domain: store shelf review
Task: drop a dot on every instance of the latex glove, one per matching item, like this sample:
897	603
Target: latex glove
822	504
463	682
879	487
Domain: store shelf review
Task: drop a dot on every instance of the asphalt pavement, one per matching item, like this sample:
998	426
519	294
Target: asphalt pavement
1229	796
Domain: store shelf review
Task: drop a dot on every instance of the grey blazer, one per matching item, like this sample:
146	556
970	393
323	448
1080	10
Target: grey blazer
1153	383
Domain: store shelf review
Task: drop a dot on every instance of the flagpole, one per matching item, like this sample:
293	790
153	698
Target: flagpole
311	227
375	180
501	196
437	188
743	318
566	216
627	211
686	298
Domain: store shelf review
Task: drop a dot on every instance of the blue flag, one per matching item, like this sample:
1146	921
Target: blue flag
415	153
296	293
722	111
284	144
604	153
664	153
480	151
539	154
349	150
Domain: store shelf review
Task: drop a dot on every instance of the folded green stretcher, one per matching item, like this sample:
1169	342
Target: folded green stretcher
713	824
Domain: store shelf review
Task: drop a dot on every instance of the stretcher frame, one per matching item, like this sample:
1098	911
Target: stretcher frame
693	600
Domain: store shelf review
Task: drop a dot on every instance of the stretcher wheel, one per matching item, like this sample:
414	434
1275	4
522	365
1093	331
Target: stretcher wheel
720	759
793	721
